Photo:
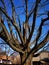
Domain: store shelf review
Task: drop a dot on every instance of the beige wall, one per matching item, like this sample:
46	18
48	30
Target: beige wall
44	55
15	59
41	56
2	56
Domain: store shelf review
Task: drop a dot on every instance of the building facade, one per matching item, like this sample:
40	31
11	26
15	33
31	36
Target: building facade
41	59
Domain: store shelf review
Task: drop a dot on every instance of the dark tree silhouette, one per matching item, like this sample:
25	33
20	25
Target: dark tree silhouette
19	34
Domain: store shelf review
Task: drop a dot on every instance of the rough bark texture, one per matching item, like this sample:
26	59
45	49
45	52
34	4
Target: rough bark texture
28	61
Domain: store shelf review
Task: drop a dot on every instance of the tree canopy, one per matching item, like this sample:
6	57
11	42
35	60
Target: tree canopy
24	25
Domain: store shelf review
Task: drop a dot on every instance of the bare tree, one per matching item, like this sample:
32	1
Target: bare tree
19	34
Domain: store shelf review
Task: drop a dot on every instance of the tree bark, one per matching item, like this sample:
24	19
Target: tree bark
28	61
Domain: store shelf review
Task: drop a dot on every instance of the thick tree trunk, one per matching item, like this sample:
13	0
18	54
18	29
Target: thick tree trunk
28	61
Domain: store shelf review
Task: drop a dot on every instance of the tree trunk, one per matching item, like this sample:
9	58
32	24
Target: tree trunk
28	61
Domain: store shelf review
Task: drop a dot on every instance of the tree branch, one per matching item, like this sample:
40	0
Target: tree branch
38	47
40	29
6	37
33	24
15	25
26	3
